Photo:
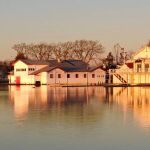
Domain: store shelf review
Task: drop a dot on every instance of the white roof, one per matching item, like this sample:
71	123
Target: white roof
144	53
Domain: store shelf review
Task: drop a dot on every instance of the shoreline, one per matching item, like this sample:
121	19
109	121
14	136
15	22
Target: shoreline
77	85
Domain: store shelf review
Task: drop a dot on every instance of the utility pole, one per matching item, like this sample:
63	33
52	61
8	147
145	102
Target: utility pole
117	49
120	54
124	55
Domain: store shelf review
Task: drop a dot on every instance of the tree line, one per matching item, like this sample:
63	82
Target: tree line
88	51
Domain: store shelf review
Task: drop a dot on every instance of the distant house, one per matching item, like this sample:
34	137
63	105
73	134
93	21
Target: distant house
67	72
135	71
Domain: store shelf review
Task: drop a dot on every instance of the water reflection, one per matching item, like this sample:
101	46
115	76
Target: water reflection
74	118
79	104
71	104
135	100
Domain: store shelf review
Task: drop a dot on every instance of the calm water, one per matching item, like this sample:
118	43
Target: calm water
93	118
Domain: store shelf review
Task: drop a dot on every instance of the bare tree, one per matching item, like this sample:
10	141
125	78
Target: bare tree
67	50
85	50
63	51
20	56
40	51
21	49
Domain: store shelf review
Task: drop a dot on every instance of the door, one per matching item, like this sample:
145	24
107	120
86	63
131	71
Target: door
17	80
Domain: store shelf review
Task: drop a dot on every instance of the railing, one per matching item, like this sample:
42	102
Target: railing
120	78
120	74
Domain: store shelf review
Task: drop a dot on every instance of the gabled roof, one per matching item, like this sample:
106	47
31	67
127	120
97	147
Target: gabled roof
76	62
73	69
45	69
95	68
67	66
142	53
39	62
73	66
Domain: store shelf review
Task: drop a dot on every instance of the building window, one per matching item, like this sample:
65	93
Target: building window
146	67
21	69
85	75
138	67
31	69
51	76
93	75
77	76
59	75
68	75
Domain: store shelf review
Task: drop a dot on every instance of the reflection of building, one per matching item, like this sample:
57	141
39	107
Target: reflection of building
26	98
20	99
135	71
67	72
79	102
135	99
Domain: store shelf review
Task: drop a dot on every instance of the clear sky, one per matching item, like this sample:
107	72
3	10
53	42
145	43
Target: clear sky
109	21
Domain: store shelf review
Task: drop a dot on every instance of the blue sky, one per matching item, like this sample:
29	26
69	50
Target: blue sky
109	21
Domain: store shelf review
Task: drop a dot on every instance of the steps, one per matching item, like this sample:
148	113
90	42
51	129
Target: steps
120	78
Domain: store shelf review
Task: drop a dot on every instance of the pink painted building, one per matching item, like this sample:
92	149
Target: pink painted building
67	72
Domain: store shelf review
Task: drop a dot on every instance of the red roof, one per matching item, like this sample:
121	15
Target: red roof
130	65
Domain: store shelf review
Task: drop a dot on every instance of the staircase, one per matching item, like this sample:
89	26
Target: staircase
120	78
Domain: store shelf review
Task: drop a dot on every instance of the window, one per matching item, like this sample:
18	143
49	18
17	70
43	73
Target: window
77	76
31	69
85	75
68	75
146	67
51	75
59	75
21	69
93	75
138	67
